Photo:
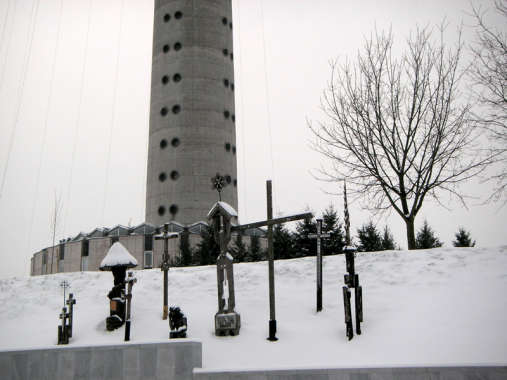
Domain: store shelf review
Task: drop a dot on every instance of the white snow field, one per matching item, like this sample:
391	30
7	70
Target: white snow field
428	307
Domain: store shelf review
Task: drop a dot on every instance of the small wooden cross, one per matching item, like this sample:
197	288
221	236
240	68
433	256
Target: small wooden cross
64	284
166	235
319	236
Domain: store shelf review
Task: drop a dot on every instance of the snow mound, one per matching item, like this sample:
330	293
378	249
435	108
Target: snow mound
444	306
116	256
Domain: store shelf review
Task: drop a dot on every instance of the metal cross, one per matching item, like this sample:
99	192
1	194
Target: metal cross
319	236
218	183
64	284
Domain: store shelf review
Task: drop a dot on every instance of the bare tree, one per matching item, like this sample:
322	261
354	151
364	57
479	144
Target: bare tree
396	129
55	223
488	73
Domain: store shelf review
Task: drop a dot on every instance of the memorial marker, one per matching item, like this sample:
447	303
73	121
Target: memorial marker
319	236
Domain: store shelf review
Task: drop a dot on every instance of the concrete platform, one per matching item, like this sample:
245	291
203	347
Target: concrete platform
172	360
398	373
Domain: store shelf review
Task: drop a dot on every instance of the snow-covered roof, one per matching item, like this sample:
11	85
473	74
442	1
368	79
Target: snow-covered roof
118	255
169	234
225	207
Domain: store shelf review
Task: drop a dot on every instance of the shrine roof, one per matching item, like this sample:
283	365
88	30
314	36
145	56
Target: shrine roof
225	207
118	255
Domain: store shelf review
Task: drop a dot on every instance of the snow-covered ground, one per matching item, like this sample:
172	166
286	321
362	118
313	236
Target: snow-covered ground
440	306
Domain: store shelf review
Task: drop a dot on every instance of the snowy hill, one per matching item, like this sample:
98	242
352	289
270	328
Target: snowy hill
440	306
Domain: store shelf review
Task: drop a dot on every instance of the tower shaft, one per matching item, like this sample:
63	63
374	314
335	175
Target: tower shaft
192	119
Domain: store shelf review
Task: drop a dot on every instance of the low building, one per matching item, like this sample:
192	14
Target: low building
85	251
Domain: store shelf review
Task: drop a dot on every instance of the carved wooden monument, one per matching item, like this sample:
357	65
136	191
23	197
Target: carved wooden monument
351	279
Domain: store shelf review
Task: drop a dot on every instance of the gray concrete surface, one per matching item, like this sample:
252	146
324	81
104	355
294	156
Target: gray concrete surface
204	126
172	360
416	373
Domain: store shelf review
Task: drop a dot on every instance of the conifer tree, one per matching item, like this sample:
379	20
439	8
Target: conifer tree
463	239
239	250
426	238
207	250
255	252
283	243
369	238
304	246
185	251
331	224
388	240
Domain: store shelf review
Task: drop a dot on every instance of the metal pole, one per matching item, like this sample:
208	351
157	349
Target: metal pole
319	267
165	268
272	316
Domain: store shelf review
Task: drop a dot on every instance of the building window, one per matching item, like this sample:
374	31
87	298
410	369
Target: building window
235	182
165	49
148	259
163	143
233	150
176	109
165	79
161	210
163	111
232	56
167	17
178	15
173	209
227	147
233	118
226	114
175	175
148	242
232	86
225	52
224	20
226	82
230	25
175	142
114	239
62	252
228	179
177	46
176	77
85	244
162	177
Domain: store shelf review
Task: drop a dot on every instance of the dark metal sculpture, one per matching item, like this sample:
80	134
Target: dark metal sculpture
177	323
351	279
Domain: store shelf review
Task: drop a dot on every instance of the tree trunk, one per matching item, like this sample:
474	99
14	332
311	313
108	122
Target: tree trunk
410	233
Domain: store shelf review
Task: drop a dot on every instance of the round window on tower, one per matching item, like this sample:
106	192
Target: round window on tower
177	46
232	86
228	179
233	118
173	209
178	15
225	52
232	57
162	177
233	149
176	77
228	146
175	142
226	82
165	49
163	143
163	111
165	79
226	114
176	109
235	183
167	17
161	210
175	175
224	20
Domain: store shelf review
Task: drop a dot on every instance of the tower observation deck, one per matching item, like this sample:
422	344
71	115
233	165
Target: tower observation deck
192	120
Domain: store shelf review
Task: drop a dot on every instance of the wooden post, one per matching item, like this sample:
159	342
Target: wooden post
272	314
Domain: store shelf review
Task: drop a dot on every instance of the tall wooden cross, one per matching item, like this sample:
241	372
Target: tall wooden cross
270	222
319	236
166	235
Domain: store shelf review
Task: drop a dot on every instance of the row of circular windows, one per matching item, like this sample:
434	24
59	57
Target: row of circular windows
175	175
173	209
177	78
175	142
178	15
177	46
176	109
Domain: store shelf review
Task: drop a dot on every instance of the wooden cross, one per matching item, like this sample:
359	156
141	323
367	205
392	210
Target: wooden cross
166	235
319	236
64	284
270	222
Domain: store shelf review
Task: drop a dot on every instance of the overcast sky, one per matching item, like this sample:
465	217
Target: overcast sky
75	119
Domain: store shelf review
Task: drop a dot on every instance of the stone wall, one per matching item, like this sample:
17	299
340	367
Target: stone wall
172	360
406	373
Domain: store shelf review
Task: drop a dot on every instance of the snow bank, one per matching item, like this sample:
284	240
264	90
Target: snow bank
444	306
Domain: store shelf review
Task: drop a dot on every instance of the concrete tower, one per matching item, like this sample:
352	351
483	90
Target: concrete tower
192	120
